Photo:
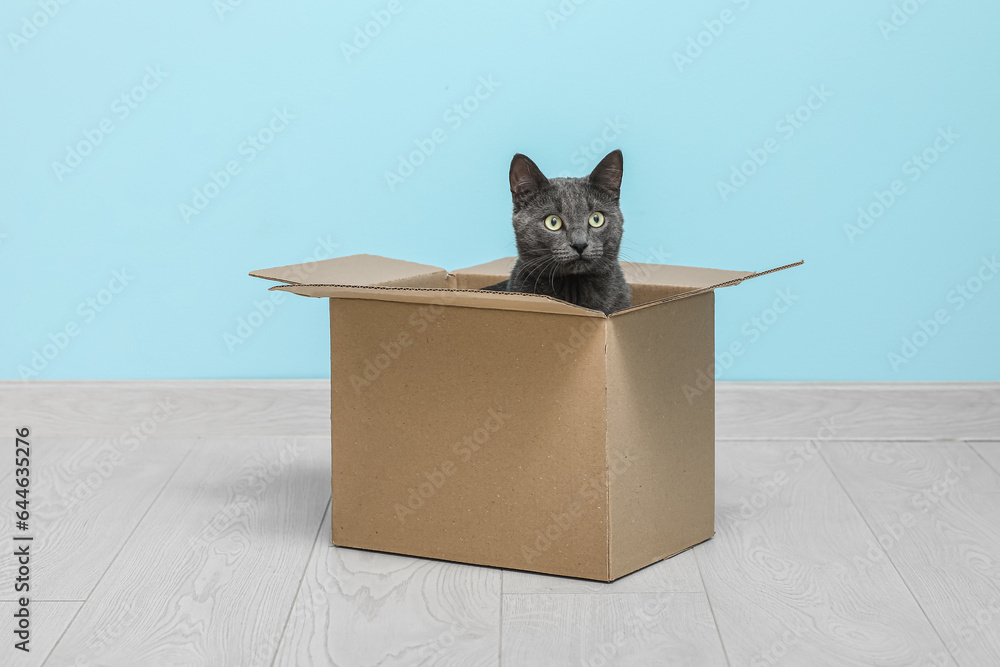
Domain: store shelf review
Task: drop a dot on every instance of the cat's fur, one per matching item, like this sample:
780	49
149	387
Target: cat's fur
588	275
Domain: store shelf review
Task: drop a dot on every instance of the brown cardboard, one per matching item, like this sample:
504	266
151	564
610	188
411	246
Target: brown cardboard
517	430
663	502
358	270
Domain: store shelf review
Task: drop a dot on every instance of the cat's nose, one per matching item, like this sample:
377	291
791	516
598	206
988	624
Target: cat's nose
579	247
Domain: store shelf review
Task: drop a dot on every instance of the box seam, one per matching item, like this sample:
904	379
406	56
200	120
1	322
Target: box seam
607	456
333	429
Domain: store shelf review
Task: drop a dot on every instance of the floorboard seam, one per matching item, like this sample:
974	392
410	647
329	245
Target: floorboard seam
708	598
982	458
500	637
65	630
125	542
298	589
888	558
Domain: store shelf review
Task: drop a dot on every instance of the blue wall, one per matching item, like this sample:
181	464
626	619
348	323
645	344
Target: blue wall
841	104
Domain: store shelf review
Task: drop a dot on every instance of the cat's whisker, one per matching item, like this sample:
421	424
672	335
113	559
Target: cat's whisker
541	273
538	266
540	270
635	268
642	252
648	254
528	262
534	262
632	265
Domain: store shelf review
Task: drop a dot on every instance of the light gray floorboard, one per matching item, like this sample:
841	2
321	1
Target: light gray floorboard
781	574
360	608
990	453
542	630
880	411
210	573
190	549
48	621
186	408
935	512
85	498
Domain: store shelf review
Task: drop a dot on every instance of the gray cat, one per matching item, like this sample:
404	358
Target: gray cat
568	232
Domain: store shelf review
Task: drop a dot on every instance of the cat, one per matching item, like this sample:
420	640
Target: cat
568	232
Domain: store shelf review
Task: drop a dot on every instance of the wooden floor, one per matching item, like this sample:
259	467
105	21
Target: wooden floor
186	523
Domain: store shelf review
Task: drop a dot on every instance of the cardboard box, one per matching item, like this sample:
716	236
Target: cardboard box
517	430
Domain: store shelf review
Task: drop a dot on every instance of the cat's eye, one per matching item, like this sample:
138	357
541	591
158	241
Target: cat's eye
596	219
553	222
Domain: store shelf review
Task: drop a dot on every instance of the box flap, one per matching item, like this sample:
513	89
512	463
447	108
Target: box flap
535	303
481	275
692	277
356	270
736	280
499	267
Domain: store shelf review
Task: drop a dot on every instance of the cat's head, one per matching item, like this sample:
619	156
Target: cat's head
573	225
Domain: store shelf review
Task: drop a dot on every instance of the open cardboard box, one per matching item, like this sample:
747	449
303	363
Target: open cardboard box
517	430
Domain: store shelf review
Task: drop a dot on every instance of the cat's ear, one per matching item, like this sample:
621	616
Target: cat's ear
525	177
607	175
